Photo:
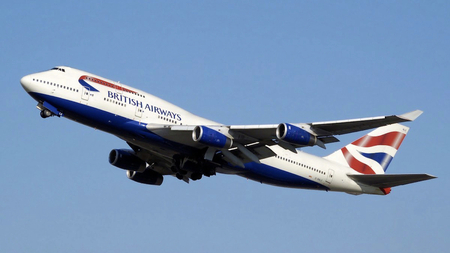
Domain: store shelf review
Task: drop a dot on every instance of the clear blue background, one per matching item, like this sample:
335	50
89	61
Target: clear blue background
242	62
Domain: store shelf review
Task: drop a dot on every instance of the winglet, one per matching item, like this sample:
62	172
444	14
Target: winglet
411	116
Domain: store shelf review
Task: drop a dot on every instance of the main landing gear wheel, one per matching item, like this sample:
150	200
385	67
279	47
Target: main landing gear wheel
196	176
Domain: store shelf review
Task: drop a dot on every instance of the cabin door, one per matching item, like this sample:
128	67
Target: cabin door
330	176
85	93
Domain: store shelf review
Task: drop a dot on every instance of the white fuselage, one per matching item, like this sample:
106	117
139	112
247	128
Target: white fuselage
111	106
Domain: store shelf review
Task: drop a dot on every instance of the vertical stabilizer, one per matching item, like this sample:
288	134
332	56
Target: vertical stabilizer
372	153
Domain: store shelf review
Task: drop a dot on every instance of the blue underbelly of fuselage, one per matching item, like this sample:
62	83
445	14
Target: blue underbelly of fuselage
132	131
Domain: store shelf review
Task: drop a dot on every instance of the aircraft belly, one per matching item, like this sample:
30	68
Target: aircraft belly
267	174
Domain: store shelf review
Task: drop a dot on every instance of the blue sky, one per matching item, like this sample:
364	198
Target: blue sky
242	62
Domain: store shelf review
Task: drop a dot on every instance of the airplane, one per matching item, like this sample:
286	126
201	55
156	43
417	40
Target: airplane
165	139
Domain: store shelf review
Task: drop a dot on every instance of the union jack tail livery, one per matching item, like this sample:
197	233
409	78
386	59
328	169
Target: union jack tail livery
370	156
372	153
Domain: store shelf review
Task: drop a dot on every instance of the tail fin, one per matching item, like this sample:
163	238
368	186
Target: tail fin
372	153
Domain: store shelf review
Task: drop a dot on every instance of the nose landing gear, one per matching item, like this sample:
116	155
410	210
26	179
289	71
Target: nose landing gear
48	110
46	113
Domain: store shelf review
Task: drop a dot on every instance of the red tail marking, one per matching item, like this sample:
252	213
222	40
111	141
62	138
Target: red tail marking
393	139
355	164
386	190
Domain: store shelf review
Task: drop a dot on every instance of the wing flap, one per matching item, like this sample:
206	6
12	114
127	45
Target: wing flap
258	132
390	180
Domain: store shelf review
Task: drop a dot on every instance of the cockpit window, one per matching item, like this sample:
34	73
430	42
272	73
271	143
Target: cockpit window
59	69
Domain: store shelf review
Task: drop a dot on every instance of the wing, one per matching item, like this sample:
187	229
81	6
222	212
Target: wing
327	129
239	144
355	125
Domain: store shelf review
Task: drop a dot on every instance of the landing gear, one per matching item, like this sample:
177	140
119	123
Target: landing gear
46	113
179	176
48	110
196	176
194	170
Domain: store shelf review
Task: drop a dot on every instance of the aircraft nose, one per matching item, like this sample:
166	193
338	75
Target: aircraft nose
26	83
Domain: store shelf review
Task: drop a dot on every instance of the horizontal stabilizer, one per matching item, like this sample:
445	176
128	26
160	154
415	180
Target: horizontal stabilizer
390	180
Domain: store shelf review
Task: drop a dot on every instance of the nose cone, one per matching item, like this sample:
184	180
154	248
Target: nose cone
26	82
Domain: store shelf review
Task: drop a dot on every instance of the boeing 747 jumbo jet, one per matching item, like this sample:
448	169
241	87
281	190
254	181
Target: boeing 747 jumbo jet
167	140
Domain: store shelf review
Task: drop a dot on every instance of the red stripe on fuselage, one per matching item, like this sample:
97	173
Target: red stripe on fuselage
107	84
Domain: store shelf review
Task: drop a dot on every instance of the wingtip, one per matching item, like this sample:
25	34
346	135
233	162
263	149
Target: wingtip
431	176
411	116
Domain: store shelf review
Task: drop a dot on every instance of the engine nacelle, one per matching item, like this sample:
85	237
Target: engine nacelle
295	135
146	177
126	159
211	137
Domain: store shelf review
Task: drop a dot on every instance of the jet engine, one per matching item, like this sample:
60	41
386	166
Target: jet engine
211	137
295	135
146	177
126	159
